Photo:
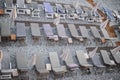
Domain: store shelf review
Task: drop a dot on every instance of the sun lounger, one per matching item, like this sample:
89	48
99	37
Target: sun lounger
96	59
83	59
61	31
116	57
74	32
60	11
105	33
84	31
115	50
98	64
68	59
48	10
106	58
6	67
4	60
70	11
5	30
21	32
21	61
35	30
36	13
40	64
95	32
49	33
55	63
116	54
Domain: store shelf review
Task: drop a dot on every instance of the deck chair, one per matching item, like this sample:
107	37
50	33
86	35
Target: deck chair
95	32
49	33
70	11
6	68
82	59
68	59
74	32
61	11
40	64
106	58
35	30
96	59
21	61
48	10
116	54
84	31
55	63
61	31
21	32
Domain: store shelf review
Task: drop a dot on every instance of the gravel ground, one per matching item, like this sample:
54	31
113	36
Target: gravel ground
43	46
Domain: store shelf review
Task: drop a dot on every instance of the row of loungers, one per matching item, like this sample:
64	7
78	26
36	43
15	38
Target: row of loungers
86	60
59	9
80	34
21	30
65	11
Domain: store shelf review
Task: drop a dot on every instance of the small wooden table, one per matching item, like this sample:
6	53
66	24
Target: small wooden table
48	67
103	40
55	37
70	40
13	37
86	56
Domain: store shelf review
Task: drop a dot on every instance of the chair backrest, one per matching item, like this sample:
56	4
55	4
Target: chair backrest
48	30
105	57
21	61
95	32
54	59
35	30
96	59
73	30
84	31
61	31
21	32
115	50
40	64
81	57
68	56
